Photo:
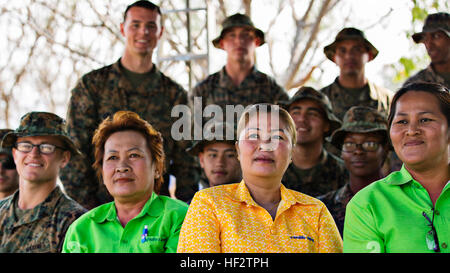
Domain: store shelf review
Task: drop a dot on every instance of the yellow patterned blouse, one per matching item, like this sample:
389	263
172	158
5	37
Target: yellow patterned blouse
226	219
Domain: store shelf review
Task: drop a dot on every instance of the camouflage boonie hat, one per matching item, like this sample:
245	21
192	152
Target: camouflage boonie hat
434	22
238	20
3	132
40	124
209	136
360	119
349	34
306	92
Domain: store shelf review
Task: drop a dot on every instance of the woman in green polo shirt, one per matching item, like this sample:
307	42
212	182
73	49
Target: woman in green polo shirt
409	210
129	157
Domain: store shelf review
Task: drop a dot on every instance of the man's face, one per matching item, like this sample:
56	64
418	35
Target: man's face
351	56
37	167
142	30
240	44
438	47
9	179
220	163
310	121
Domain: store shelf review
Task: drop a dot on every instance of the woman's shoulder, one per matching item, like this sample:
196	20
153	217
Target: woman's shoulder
219	191
171	204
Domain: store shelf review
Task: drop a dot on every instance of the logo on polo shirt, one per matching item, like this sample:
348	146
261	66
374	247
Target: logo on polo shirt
301	237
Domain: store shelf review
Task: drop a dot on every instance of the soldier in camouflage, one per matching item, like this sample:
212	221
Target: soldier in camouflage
9	179
133	83
239	82
435	36
351	51
364	142
217	155
36	217
313	171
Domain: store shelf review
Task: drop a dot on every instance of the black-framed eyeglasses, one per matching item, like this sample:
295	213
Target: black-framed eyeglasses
431	236
8	163
368	146
44	148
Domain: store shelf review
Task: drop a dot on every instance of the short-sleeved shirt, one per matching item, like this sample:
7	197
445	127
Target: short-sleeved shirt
226	219
328	175
103	92
154	230
219	89
336	202
387	216
428	75
370	95
40	229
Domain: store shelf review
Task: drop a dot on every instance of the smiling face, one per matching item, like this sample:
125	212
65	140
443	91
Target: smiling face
438	47
264	147
419	131
128	171
220	163
36	167
142	30
310	121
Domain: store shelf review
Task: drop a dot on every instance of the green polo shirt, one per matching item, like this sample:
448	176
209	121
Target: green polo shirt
99	230
386	216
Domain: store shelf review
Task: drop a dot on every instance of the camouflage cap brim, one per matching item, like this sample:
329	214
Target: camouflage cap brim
306	92
10	139
330	49
258	32
337	138
198	146
439	21
418	37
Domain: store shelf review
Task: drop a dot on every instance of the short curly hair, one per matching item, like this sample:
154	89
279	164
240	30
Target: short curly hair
124	121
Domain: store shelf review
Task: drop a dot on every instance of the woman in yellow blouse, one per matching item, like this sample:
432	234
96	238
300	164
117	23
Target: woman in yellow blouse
259	214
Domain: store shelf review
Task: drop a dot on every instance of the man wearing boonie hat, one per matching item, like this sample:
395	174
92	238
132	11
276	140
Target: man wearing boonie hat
217	155
238	82
313	171
435	36
9	179
364	142
36	217
351	51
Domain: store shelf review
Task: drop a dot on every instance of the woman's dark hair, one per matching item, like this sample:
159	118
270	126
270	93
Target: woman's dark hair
439	91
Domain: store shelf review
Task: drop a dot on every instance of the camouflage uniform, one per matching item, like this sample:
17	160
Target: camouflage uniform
257	87
369	95
328	175
336	202
105	91
219	89
342	99
434	22
428	75
357	119
40	229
